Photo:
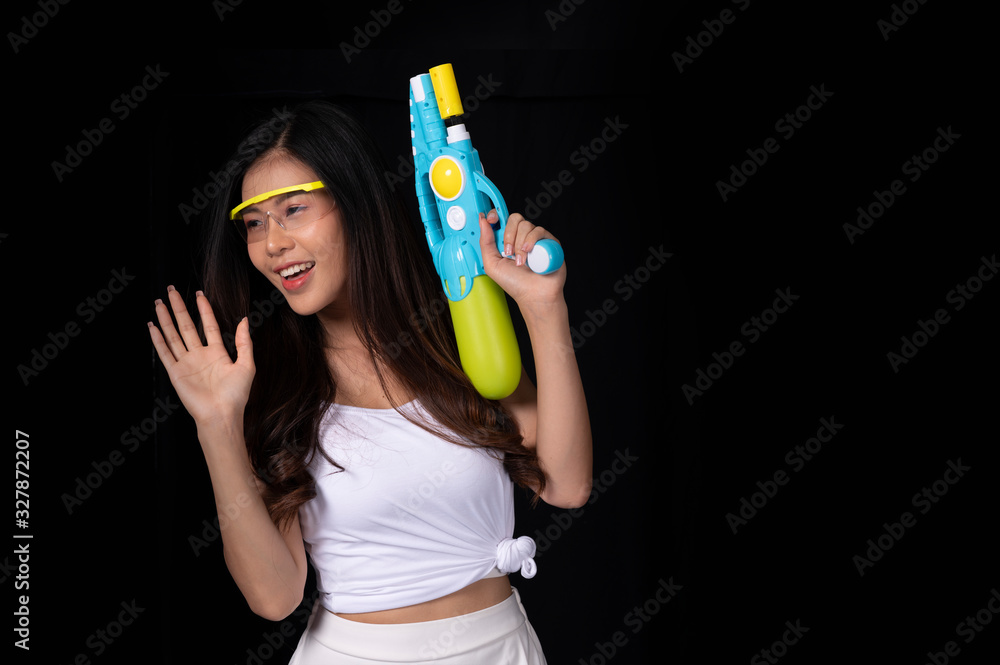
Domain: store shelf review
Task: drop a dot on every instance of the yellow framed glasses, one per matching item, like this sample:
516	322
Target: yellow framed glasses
291	207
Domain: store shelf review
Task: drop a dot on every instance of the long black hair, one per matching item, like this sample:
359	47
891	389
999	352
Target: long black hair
399	313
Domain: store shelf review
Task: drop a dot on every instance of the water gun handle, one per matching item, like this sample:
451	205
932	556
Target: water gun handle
545	257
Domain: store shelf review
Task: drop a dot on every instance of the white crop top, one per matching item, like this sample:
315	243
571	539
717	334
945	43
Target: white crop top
411	518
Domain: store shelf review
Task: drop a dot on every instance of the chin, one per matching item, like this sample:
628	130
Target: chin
301	305
307	304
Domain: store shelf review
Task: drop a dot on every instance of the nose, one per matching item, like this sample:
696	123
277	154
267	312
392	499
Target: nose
276	238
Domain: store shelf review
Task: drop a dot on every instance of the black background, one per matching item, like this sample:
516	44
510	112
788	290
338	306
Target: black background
663	517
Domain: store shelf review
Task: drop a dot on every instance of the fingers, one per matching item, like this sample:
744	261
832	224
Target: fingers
166	357
520	236
208	323
174	343
487	239
244	345
170	344
186	327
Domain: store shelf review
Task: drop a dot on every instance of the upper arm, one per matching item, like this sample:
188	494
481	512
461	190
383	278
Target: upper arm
523	405
566	466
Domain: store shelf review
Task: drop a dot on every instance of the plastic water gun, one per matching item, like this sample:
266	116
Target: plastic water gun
451	192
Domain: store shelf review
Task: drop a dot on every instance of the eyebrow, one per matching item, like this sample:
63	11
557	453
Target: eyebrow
278	199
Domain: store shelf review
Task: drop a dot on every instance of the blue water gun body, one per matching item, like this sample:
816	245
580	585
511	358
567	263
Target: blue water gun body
452	191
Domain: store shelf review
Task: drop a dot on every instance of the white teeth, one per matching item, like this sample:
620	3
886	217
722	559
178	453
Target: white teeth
298	267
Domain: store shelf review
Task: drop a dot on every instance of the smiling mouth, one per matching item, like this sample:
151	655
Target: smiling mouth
297	270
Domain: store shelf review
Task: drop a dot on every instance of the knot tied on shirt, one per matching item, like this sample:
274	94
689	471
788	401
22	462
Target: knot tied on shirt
517	553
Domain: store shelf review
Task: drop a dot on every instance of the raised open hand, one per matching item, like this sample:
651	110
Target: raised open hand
210	385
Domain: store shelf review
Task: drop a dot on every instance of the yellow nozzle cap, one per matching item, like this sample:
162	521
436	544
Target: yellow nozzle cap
446	90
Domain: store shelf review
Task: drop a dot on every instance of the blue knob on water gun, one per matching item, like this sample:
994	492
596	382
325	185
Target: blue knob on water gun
545	257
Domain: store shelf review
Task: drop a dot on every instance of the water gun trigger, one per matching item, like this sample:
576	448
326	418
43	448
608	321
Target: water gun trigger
486	186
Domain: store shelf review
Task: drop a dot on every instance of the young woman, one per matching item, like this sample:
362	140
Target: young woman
345	426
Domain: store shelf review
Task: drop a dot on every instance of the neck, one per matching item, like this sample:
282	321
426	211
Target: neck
337	320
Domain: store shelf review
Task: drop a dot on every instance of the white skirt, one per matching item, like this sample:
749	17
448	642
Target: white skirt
497	635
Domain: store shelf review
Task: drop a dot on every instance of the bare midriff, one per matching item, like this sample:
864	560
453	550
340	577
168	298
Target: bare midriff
477	596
